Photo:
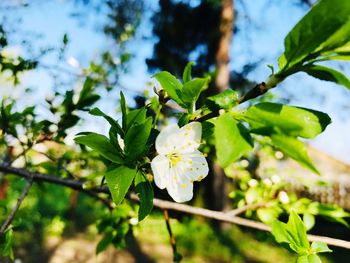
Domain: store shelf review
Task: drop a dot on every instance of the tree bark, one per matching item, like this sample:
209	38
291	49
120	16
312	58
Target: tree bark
222	57
219	200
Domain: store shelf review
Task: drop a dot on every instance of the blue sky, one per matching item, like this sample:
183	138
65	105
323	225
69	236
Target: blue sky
263	23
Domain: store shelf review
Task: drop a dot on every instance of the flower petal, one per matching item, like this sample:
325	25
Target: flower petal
194	166
160	168
190	137
179	187
167	139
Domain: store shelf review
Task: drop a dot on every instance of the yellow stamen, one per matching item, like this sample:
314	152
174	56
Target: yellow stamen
174	159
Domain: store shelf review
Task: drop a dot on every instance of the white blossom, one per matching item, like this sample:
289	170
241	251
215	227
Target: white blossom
283	196
179	162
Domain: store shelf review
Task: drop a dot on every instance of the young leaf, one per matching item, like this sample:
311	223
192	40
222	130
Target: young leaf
320	247
309	220
136	139
171	85
101	145
144	191
119	181
87	97
295	149
310	35
186	76
327	74
104	243
297	231
265	118
309	259
124	110
279	231
224	100
6	242
232	139
111	121
135	116
191	91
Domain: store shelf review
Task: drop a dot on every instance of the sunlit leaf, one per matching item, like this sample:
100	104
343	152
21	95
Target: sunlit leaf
119	181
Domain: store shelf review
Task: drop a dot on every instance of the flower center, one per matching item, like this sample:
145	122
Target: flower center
174	159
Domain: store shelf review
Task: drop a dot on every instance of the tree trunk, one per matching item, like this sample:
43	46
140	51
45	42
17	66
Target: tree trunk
222	58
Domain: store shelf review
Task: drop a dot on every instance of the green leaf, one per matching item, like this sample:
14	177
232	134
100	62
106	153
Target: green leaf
297	231
309	220
65	39
224	100
317	27
101	145
135	117
327	74
320	247
104	243
6	242
87	89
191	91
266	118
279	231
111	121
309	259
124	110
186	76
119	181
171	85
144	191
136	139
282	61
294	149
268	214
232	139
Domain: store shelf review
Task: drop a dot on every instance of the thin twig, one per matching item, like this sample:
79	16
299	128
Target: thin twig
171	235
162	204
241	210
11	216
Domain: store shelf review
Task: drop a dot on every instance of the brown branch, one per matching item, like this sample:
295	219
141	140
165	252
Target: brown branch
12	214
171	235
162	204
241	210
257	91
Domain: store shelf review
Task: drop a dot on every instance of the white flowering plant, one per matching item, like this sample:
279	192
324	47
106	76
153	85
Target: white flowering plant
174	139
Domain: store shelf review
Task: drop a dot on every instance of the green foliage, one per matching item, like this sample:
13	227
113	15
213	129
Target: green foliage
114	124
119	181
187	74
323	34
114	227
136	138
102	145
191	91
224	100
327	74
267	118
185	95
324	29
232	139
294	234
295	149
171	85
6	243
144	191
